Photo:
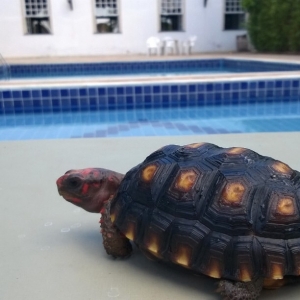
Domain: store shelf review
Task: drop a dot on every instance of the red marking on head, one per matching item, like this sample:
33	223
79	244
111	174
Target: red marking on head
59	181
86	171
75	200
85	189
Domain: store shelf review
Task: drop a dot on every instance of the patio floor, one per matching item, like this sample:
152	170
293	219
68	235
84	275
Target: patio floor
53	250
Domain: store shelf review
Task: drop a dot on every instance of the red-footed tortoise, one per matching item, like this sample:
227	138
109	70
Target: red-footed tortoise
228	213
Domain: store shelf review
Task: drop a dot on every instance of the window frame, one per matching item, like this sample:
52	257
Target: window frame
25	17
182	14
236	12
117	15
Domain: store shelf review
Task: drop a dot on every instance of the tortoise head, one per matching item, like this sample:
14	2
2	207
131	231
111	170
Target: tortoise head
89	188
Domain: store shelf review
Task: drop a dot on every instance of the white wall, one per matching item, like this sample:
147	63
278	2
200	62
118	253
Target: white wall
73	31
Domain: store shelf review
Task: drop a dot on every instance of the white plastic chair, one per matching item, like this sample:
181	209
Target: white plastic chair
169	44
188	45
153	43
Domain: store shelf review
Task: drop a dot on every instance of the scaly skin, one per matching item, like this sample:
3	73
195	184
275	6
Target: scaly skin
114	242
240	290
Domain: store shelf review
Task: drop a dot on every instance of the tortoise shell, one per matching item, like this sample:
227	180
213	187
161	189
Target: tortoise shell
224	212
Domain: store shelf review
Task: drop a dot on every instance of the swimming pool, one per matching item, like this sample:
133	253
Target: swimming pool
90	108
184	66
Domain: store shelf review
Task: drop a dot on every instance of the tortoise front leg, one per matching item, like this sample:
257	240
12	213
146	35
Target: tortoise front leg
231	290
114	242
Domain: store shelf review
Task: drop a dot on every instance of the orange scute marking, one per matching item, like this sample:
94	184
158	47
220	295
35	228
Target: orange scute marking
153	244
245	273
277	272
285	207
185	180
130	231
233	193
194	145
281	167
183	256
236	150
214	269
149	172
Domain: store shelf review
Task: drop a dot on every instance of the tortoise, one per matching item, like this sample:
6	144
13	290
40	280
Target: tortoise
228	213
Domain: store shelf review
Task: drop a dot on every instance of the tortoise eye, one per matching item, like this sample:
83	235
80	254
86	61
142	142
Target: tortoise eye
74	182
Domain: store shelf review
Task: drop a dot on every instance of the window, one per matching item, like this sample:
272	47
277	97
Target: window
234	15
171	15
106	13
37	17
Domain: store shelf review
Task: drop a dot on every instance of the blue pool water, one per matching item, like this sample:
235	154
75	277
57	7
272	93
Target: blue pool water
141	108
274	117
188	66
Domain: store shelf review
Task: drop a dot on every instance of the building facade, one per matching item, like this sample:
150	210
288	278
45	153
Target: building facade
35	28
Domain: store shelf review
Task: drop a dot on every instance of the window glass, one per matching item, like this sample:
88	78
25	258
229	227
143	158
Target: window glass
234	15
171	15
37	17
106	14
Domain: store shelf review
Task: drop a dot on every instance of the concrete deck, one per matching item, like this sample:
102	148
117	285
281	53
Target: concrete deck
53	250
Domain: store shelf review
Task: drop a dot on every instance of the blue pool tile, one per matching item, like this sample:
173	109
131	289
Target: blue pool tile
244	85
227	86
295	83
201	87
253	85
92	92
174	89
82	92
65	102
129	100
129	90
16	94
138	90
147	89
165	89
64	93
235	86
120	91
209	87
74	92
37	103
101	91
26	94
46	93
56	103
156	89
182	88
7	95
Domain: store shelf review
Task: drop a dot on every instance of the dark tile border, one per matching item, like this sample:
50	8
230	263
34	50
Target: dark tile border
48	99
